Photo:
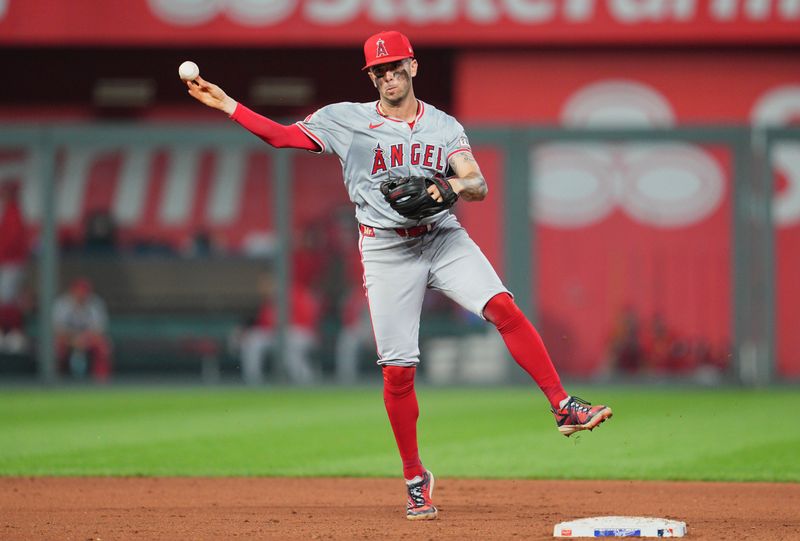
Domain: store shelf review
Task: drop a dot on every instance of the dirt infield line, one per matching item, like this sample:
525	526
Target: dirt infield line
92	508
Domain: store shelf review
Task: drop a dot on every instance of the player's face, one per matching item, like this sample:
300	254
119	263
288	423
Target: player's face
393	79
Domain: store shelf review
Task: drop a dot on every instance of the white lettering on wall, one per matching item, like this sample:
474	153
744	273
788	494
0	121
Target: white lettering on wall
431	11
670	185
181	180
530	11
332	12
227	192
661	185
577	11
484	12
617	102
754	10
186	12
789	9
72	180
131	183
786	160
26	170
259	12
776	107
382	11
134	178
32	185
724	10
638	11
758	9
573	185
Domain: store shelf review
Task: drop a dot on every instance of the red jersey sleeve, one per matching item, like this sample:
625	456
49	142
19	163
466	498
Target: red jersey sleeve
271	132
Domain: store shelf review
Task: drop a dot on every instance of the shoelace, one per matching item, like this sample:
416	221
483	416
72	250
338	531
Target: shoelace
415	491
579	404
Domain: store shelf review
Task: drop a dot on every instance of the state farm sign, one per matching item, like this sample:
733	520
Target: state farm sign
443	22
335	12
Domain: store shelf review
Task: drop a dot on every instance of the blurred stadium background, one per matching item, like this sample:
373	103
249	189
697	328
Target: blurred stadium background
643	158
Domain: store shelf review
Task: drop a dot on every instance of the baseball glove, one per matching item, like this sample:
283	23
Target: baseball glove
409	196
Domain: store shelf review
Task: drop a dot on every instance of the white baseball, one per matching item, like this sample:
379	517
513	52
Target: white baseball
188	71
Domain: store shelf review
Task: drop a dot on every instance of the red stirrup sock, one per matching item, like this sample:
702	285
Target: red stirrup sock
525	345
403	410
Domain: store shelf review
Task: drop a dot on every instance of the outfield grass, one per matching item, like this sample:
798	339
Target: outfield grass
489	433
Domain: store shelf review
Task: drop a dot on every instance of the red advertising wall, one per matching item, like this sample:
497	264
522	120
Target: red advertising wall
307	23
626	231
614	243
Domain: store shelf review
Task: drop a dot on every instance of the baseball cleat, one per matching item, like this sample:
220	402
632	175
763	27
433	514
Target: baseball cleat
579	414
420	506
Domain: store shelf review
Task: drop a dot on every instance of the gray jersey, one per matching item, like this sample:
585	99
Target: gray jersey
373	148
398	269
72	316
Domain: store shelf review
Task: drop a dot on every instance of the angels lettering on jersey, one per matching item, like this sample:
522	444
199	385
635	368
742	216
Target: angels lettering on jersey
372	148
387	157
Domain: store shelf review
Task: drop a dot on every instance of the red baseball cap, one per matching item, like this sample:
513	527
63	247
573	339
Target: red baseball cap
81	285
387	46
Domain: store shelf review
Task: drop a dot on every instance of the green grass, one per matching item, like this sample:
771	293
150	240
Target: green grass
688	434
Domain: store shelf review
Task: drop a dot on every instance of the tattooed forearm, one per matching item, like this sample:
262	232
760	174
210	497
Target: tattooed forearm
468	182
471	187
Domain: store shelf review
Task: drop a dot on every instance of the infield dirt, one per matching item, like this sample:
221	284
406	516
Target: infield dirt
116	508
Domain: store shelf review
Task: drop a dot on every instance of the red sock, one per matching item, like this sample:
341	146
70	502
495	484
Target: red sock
525	345
403	410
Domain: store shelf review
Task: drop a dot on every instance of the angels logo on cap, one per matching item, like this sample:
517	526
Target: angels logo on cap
381	49
387	46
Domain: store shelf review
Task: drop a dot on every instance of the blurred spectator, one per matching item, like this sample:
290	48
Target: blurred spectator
13	258
354	335
309	256
261	337
80	322
100	236
656	348
152	246
204	243
708	368
342	290
660	345
626	349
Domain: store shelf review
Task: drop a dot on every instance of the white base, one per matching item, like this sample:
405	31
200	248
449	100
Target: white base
620	527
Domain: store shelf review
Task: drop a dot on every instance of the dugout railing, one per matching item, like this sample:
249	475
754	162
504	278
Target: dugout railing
753	252
47	140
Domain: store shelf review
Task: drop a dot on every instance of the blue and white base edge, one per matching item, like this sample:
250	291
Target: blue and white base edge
620	527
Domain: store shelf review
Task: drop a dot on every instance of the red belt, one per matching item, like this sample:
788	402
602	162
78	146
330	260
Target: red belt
411	232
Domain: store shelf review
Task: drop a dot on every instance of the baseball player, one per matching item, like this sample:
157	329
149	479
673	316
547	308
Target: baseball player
395	153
